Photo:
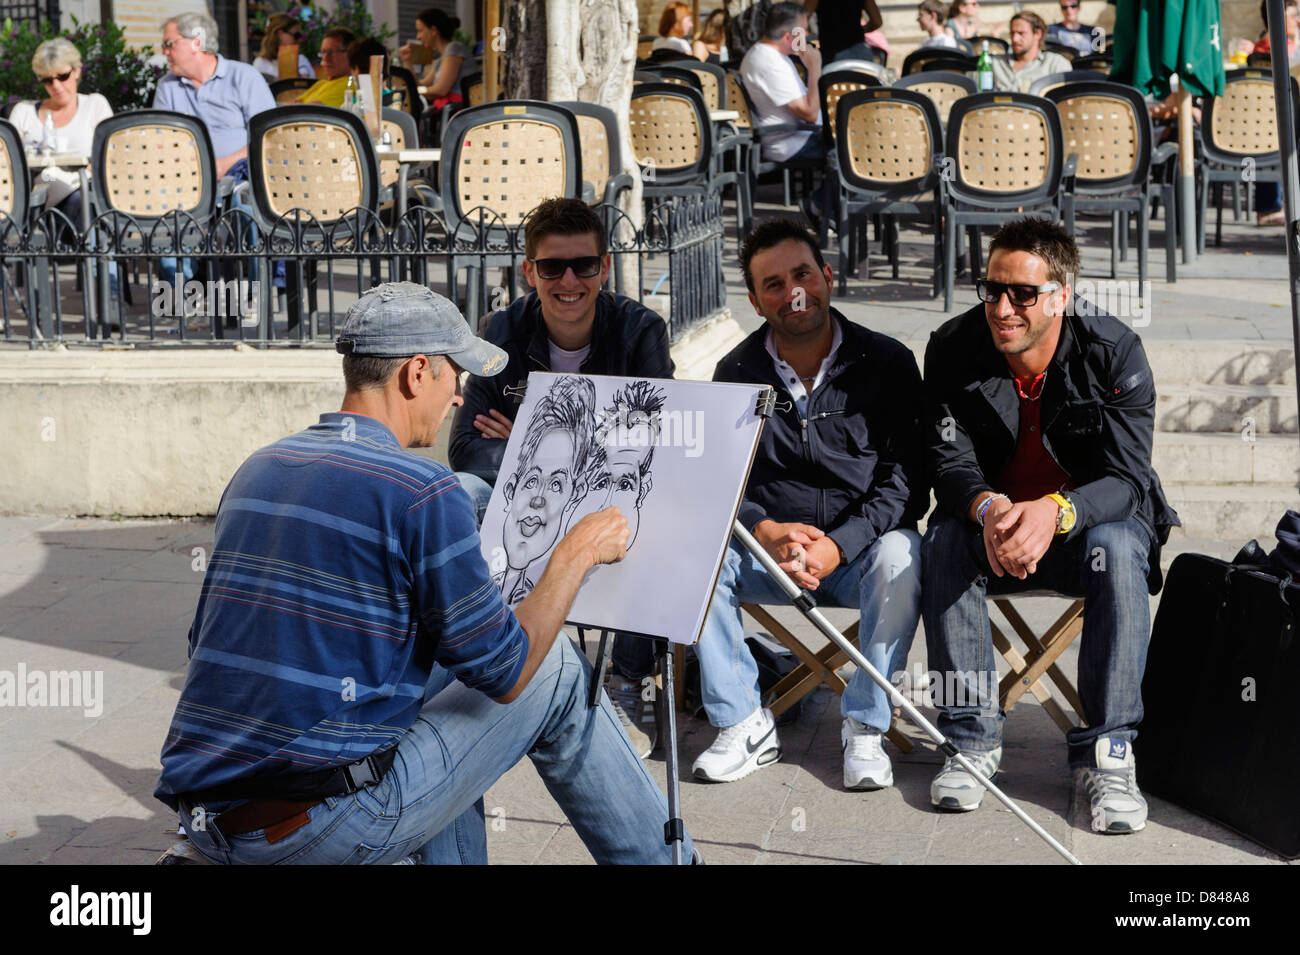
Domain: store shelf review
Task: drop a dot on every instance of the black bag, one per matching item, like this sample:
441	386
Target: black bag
1221	732
771	668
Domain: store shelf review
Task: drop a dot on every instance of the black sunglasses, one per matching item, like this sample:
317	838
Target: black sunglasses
584	267
1022	296
1069	6
62	78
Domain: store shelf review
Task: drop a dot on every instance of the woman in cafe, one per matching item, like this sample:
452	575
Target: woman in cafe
281	30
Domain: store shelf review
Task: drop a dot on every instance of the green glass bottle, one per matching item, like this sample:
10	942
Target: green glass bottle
984	71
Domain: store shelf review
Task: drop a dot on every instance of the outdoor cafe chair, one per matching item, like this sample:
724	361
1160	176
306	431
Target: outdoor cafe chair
403	80
831	86
1042	85
499	161
943	87
672	141
669	73
997	45
883	75
713	81
154	191
1061	49
888	143
1107	126
928	61
19	205
314	185
1004	158
1237	133
758	166
288	91
1097	62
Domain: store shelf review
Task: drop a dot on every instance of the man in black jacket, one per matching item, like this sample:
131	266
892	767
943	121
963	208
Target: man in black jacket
833	495
566	324
1041	412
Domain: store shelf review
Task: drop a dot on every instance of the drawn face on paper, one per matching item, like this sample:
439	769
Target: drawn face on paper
539	498
625	480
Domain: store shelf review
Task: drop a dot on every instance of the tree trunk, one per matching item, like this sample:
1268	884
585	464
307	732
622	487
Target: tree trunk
583	50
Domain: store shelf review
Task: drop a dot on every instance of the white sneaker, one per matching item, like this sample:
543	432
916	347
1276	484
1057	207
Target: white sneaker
1116	802
958	790
740	749
865	764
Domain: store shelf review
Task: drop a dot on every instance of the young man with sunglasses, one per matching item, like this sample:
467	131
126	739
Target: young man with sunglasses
567	323
1040	416
1070	32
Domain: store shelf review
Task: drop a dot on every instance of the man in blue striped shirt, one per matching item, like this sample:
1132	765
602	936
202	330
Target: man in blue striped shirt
350	655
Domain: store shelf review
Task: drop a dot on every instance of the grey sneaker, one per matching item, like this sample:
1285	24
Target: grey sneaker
635	713
958	790
1117	804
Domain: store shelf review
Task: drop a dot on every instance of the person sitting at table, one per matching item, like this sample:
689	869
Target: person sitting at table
442	81
57	65
1027	61
675	25
1070	32
281	30
929	16
332	81
360	52
711	45
962	23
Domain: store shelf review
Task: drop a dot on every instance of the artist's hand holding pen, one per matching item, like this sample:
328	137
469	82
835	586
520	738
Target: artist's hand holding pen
801	550
493	424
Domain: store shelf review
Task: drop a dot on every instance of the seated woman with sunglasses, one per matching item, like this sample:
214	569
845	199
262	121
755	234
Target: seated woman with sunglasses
57	65
281	29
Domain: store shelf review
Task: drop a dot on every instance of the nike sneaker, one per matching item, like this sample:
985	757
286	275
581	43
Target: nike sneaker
740	749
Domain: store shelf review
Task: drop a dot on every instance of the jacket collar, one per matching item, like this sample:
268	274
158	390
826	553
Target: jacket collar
539	343
755	359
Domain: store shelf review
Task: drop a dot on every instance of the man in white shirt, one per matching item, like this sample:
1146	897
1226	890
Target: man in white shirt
779	95
930	16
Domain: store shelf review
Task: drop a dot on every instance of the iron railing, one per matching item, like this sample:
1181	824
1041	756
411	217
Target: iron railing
291	281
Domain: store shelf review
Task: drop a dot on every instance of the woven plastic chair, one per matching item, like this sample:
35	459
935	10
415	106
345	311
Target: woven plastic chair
759	166
671	73
644	46
943	88
997	45
1044	84
473	90
1062	49
947	61
1106	125
314	178
713	81
404	80
499	161
1005	158
884	76
672	141
18	204
1238	132
151	171
403	134
1097	62
888	146
288	91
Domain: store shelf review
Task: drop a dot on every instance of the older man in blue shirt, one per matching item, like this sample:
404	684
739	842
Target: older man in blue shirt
223	93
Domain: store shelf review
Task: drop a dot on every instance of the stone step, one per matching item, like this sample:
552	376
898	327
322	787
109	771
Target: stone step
1234	512
1228	362
1244	409
1200	458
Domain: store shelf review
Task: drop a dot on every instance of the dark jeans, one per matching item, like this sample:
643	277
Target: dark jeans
1106	565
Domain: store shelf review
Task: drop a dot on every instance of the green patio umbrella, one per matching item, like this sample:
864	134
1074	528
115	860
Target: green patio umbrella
1154	39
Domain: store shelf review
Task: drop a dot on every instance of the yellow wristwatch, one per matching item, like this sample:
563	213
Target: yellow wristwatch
1066	516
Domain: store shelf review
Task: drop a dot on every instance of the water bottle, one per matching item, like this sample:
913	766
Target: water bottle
984	71
48	135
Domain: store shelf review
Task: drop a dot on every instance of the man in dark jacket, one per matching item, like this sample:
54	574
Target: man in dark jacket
566	324
1041	412
833	495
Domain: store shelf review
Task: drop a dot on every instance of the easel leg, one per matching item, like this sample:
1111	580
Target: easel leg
598	673
674	830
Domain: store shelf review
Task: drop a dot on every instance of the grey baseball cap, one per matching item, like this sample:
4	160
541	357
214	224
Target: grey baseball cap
398	319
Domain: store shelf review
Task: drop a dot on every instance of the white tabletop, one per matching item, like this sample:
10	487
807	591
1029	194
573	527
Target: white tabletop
62	160
410	155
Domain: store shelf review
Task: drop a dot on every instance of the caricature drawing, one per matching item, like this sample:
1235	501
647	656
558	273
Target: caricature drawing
549	480
623	450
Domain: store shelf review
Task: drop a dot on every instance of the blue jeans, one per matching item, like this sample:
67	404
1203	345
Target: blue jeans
167	267
460	744
884	583
479	491
1106	565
